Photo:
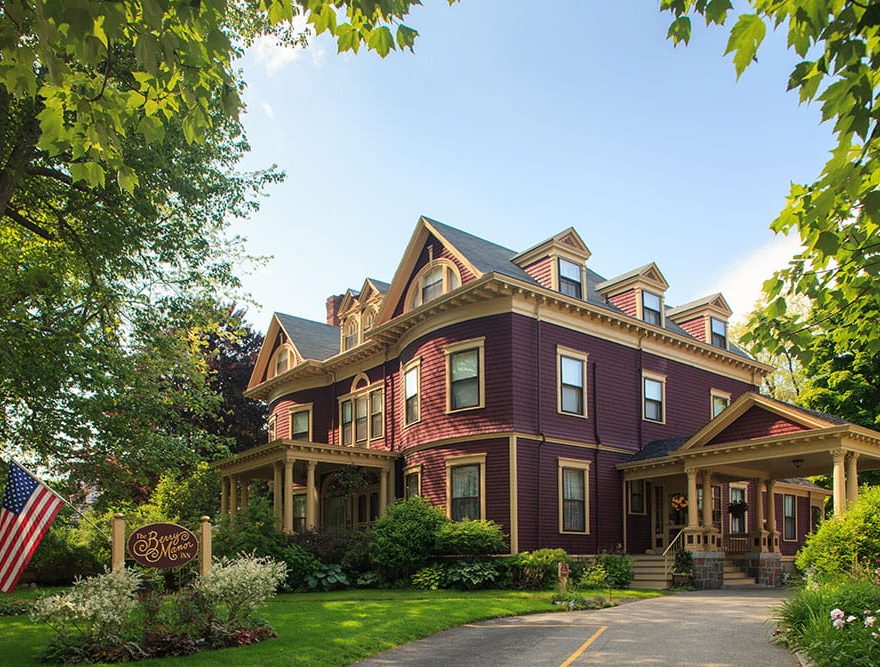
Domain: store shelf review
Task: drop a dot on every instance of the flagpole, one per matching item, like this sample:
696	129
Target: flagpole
62	499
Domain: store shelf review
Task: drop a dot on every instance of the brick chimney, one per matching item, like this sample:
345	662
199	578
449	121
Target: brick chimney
333	302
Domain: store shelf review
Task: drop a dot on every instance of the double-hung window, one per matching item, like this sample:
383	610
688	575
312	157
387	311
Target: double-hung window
789	518
361	421
654	394
346	418
572	374
377	410
465	491
573	496
299	424
738	520
651	308
299	513
720	401
411	393
570	278
465	375
411	483
637	497
432	284
272	421
719	332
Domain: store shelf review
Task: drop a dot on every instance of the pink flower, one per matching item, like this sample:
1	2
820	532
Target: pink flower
869	621
838	623
837	614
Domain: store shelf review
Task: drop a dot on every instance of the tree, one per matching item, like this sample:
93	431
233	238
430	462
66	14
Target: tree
838	215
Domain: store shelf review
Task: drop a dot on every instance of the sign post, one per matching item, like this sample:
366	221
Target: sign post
117	559
205	551
563	572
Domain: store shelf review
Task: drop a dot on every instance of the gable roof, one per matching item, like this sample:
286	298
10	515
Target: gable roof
380	285
313	340
716	301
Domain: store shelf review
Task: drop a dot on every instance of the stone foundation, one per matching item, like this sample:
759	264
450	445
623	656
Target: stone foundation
766	568
708	569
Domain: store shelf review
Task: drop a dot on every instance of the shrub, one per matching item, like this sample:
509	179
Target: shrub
189	497
300	566
254	531
429	578
839	542
836	623
370	580
236	588
683	562
327	578
405	537
594	575
61	557
535	570
470	538
619	567
94	612
471	574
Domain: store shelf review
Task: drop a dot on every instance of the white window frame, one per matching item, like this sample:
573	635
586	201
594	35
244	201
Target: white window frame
451	281
795	517
711	337
413	470
656	377
717	393
584	358
478	344
362	391
584	466
642	293
413	365
458	462
299	409
579	265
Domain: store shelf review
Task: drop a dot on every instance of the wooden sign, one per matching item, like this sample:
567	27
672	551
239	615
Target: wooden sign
162	545
564	571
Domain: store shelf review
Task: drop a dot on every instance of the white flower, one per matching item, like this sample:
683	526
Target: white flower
838	623
850	618
869	621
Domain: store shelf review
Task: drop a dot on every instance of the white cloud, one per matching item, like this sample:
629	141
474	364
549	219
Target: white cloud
267	109
274	56
741	281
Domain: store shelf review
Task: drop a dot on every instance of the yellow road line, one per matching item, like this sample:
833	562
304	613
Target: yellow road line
577	654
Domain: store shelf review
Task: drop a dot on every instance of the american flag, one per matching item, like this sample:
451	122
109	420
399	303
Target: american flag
29	507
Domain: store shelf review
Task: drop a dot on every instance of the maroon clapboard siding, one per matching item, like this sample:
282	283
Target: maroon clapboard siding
439	251
756	423
538	498
497	451
541	271
626	301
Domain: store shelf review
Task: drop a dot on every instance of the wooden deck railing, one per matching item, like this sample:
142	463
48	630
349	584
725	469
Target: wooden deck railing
737	543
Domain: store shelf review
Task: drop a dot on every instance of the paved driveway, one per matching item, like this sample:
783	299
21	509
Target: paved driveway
719	628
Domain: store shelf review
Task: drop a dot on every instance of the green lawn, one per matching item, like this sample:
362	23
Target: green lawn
331	628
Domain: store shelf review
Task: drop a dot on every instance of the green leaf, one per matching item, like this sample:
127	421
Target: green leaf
745	38
406	37
381	41
716	11
680	30
127	179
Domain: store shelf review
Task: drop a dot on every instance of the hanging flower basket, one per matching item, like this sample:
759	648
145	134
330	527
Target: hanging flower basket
679	502
738	507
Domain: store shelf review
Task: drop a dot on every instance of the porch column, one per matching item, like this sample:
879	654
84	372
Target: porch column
311	497
224	494
771	515
852	478
278	489
383	491
288	496
707	499
760	532
693	518
390	474
839	480
233	494
245	494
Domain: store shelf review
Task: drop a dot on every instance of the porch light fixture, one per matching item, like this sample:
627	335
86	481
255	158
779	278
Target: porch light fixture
797	463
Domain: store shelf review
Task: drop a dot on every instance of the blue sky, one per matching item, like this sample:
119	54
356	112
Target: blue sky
514	124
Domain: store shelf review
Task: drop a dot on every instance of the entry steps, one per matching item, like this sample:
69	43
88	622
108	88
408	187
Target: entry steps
650	572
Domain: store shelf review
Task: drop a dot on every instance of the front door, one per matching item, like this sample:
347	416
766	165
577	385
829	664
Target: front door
658	518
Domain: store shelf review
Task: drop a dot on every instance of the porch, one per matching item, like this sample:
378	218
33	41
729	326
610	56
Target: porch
312	485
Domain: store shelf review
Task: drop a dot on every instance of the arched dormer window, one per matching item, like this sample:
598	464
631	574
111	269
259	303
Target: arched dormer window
350	333
369	319
282	360
433	281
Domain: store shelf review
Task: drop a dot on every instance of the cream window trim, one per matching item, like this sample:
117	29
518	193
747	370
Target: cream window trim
272	431
661	378
465	460
717	393
584	466
709	340
583	357
555	255
745	488
629	509
363	392
417	365
286	350
795	538
416	470
451	281
478	344
297	409
351	326
640	305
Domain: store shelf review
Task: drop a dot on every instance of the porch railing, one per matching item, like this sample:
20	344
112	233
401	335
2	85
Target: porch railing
676	544
737	543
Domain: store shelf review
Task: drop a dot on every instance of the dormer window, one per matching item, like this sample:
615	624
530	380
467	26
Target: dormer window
281	361
350	334
570	279
433	281
651	308
369	319
719	332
